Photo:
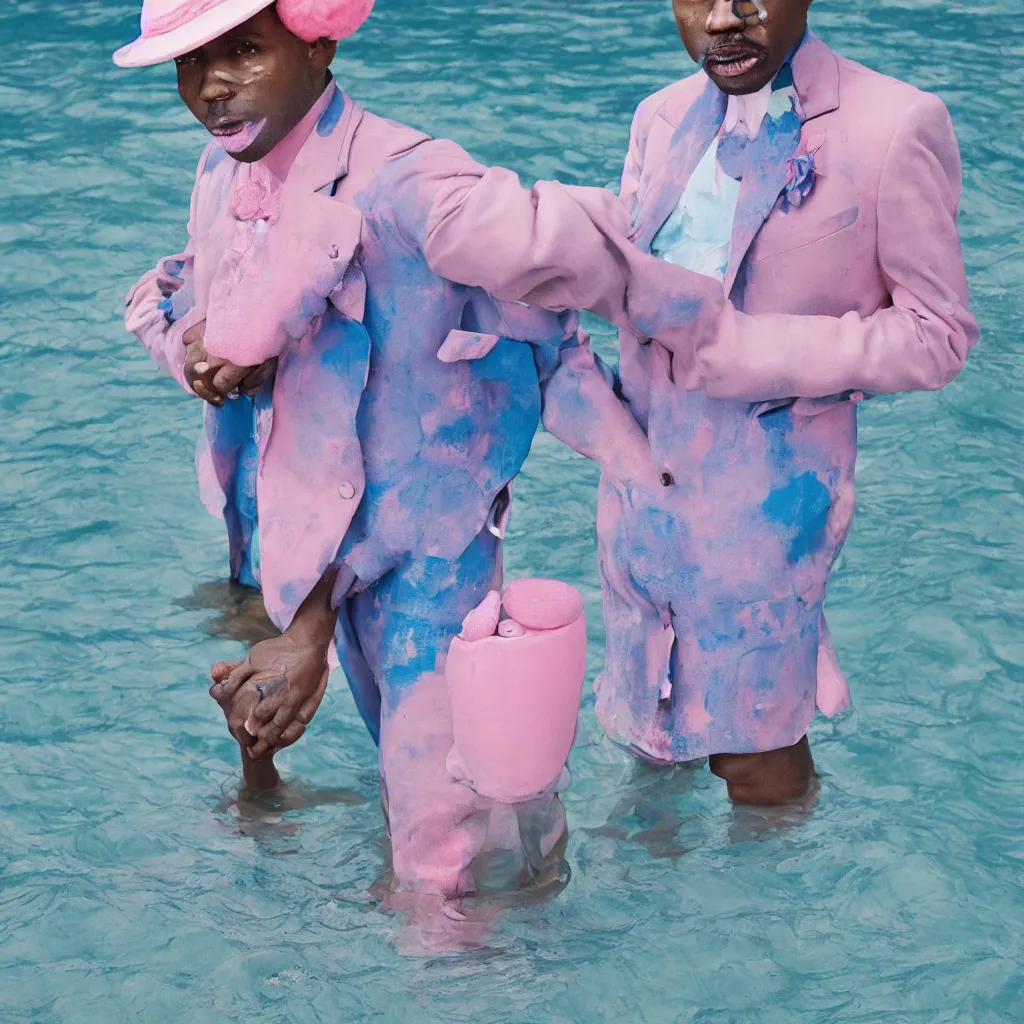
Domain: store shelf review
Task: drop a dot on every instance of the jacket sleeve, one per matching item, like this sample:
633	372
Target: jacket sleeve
161	305
555	246
919	342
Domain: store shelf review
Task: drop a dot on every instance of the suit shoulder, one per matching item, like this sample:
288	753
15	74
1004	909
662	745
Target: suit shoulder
396	151
379	139
884	103
671	102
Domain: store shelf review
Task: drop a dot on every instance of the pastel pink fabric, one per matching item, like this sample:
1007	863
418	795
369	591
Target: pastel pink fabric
482	621
839	295
714	587
515	699
323	19
171	28
225	258
162	16
542	604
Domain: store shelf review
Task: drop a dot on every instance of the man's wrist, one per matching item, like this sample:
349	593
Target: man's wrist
315	620
314	626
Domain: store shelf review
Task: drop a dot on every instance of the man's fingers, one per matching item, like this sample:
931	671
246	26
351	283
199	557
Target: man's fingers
291	735
255	379
222	669
240	716
228	687
227	378
195	333
312	703
275	693
205	393
293	731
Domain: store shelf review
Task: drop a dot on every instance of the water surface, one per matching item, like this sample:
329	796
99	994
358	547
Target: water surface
131	887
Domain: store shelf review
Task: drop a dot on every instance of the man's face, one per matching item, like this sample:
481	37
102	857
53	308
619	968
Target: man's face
252	85
739	52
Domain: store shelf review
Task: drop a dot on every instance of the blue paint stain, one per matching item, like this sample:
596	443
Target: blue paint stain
332	115
802	505
215	158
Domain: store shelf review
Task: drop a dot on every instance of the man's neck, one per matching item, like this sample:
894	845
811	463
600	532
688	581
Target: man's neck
745	113
280	159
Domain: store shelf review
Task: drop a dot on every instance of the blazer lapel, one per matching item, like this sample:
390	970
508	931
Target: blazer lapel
815	73
323	159
816	78
689	143
764	176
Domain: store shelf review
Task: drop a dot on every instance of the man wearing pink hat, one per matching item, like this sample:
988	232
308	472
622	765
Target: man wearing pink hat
366	416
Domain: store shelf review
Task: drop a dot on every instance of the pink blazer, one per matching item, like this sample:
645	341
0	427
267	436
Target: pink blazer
861	288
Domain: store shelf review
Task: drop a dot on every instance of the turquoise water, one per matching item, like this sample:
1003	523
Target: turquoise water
131	886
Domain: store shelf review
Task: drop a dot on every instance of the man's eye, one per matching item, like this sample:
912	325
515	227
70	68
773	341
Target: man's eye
187	61
244	49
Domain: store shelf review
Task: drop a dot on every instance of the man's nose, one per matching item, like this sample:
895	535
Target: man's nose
216	86
723	18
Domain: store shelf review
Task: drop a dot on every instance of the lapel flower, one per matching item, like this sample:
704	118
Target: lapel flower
253	197
799	181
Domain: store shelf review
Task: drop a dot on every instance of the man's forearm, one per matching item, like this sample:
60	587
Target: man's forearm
315	620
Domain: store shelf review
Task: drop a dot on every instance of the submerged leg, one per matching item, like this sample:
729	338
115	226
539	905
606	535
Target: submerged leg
441	830
767	778
259	776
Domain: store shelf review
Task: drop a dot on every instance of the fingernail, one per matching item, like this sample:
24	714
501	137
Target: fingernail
202	367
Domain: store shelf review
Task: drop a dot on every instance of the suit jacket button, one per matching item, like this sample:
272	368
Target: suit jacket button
667	480
644	342
347	491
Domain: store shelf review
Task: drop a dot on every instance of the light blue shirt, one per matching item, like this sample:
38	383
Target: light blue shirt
698	233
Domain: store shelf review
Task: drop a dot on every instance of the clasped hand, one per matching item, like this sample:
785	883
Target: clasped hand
270	697
214	380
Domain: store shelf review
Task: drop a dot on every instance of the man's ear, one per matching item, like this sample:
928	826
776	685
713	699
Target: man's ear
322	53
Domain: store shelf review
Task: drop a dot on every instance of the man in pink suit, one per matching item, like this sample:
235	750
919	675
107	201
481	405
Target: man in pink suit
824	197
386	405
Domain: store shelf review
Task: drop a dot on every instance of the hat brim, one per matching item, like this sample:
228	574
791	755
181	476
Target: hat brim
146	51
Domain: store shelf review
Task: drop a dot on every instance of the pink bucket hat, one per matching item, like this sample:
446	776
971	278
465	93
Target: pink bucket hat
171	28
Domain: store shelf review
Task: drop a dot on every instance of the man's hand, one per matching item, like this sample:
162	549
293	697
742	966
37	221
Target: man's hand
238	712
256	377
214	379
271	697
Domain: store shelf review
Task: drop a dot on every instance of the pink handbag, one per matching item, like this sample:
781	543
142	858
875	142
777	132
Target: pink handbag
515	689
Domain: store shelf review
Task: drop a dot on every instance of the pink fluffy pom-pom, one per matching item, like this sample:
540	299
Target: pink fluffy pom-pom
323	19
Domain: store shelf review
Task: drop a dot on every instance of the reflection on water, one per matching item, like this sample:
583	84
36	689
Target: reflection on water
650	809
751	824
431	926
263	816
241	615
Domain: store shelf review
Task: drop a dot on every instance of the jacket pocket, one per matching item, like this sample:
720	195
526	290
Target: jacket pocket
809	234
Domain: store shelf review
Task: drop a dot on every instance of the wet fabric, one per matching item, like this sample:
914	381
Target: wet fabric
392	639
